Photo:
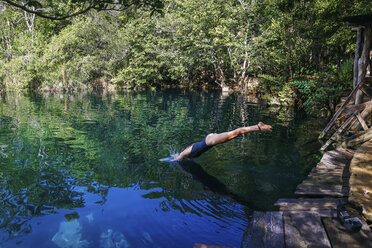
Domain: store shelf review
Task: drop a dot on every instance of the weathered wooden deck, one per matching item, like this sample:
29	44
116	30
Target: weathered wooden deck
311	220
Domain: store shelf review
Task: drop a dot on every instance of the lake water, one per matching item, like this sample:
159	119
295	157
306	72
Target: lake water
83	170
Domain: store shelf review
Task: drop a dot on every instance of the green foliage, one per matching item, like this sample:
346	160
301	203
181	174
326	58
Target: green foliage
271	83
88	49
190	44
321	94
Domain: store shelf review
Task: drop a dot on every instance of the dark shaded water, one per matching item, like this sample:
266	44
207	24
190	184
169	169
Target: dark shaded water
84	170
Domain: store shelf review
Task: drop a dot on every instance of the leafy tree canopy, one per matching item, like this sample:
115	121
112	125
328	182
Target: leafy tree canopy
60	10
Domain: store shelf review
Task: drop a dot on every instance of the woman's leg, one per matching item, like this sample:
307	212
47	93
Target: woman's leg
219	138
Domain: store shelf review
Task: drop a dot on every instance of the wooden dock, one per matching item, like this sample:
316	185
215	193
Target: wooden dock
311	219
330	178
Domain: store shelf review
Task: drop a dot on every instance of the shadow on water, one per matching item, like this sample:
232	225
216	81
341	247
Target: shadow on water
211	184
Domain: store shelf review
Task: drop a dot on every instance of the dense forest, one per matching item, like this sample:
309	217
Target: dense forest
299	46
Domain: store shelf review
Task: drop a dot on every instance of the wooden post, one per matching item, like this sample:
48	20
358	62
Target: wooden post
357	55
370	63
363	60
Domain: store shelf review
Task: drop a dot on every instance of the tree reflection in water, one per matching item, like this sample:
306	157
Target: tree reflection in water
55	150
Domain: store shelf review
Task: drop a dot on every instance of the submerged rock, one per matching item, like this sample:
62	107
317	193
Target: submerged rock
69	235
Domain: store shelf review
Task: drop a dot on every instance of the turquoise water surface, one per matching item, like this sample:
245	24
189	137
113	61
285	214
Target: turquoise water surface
83	170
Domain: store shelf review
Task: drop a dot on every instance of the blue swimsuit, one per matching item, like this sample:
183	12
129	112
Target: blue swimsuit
198	148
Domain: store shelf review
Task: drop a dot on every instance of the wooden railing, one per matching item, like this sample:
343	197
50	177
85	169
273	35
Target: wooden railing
353	113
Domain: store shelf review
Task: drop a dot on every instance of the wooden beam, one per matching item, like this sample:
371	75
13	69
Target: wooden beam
361	121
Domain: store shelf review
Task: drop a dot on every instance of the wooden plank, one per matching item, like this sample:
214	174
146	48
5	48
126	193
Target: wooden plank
322	182
328	177
316	186
325	176
339	111
283	202
337	157
319	173
362	122
264	230
327	170
321	213
310	200
341	153
315	190
308	204
324	164
319	183
320	193
339	236
304	229
330	160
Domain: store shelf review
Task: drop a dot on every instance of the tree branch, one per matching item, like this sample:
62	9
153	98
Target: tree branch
51	17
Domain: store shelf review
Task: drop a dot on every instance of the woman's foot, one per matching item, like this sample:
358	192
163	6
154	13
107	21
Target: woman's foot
264	128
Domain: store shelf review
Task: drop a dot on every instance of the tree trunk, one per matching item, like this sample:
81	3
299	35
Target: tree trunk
63	71
220	76
30	22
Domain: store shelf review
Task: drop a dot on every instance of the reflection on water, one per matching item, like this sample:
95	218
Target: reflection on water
84	170
69	235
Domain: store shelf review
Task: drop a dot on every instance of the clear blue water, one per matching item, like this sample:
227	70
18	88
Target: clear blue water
84	171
